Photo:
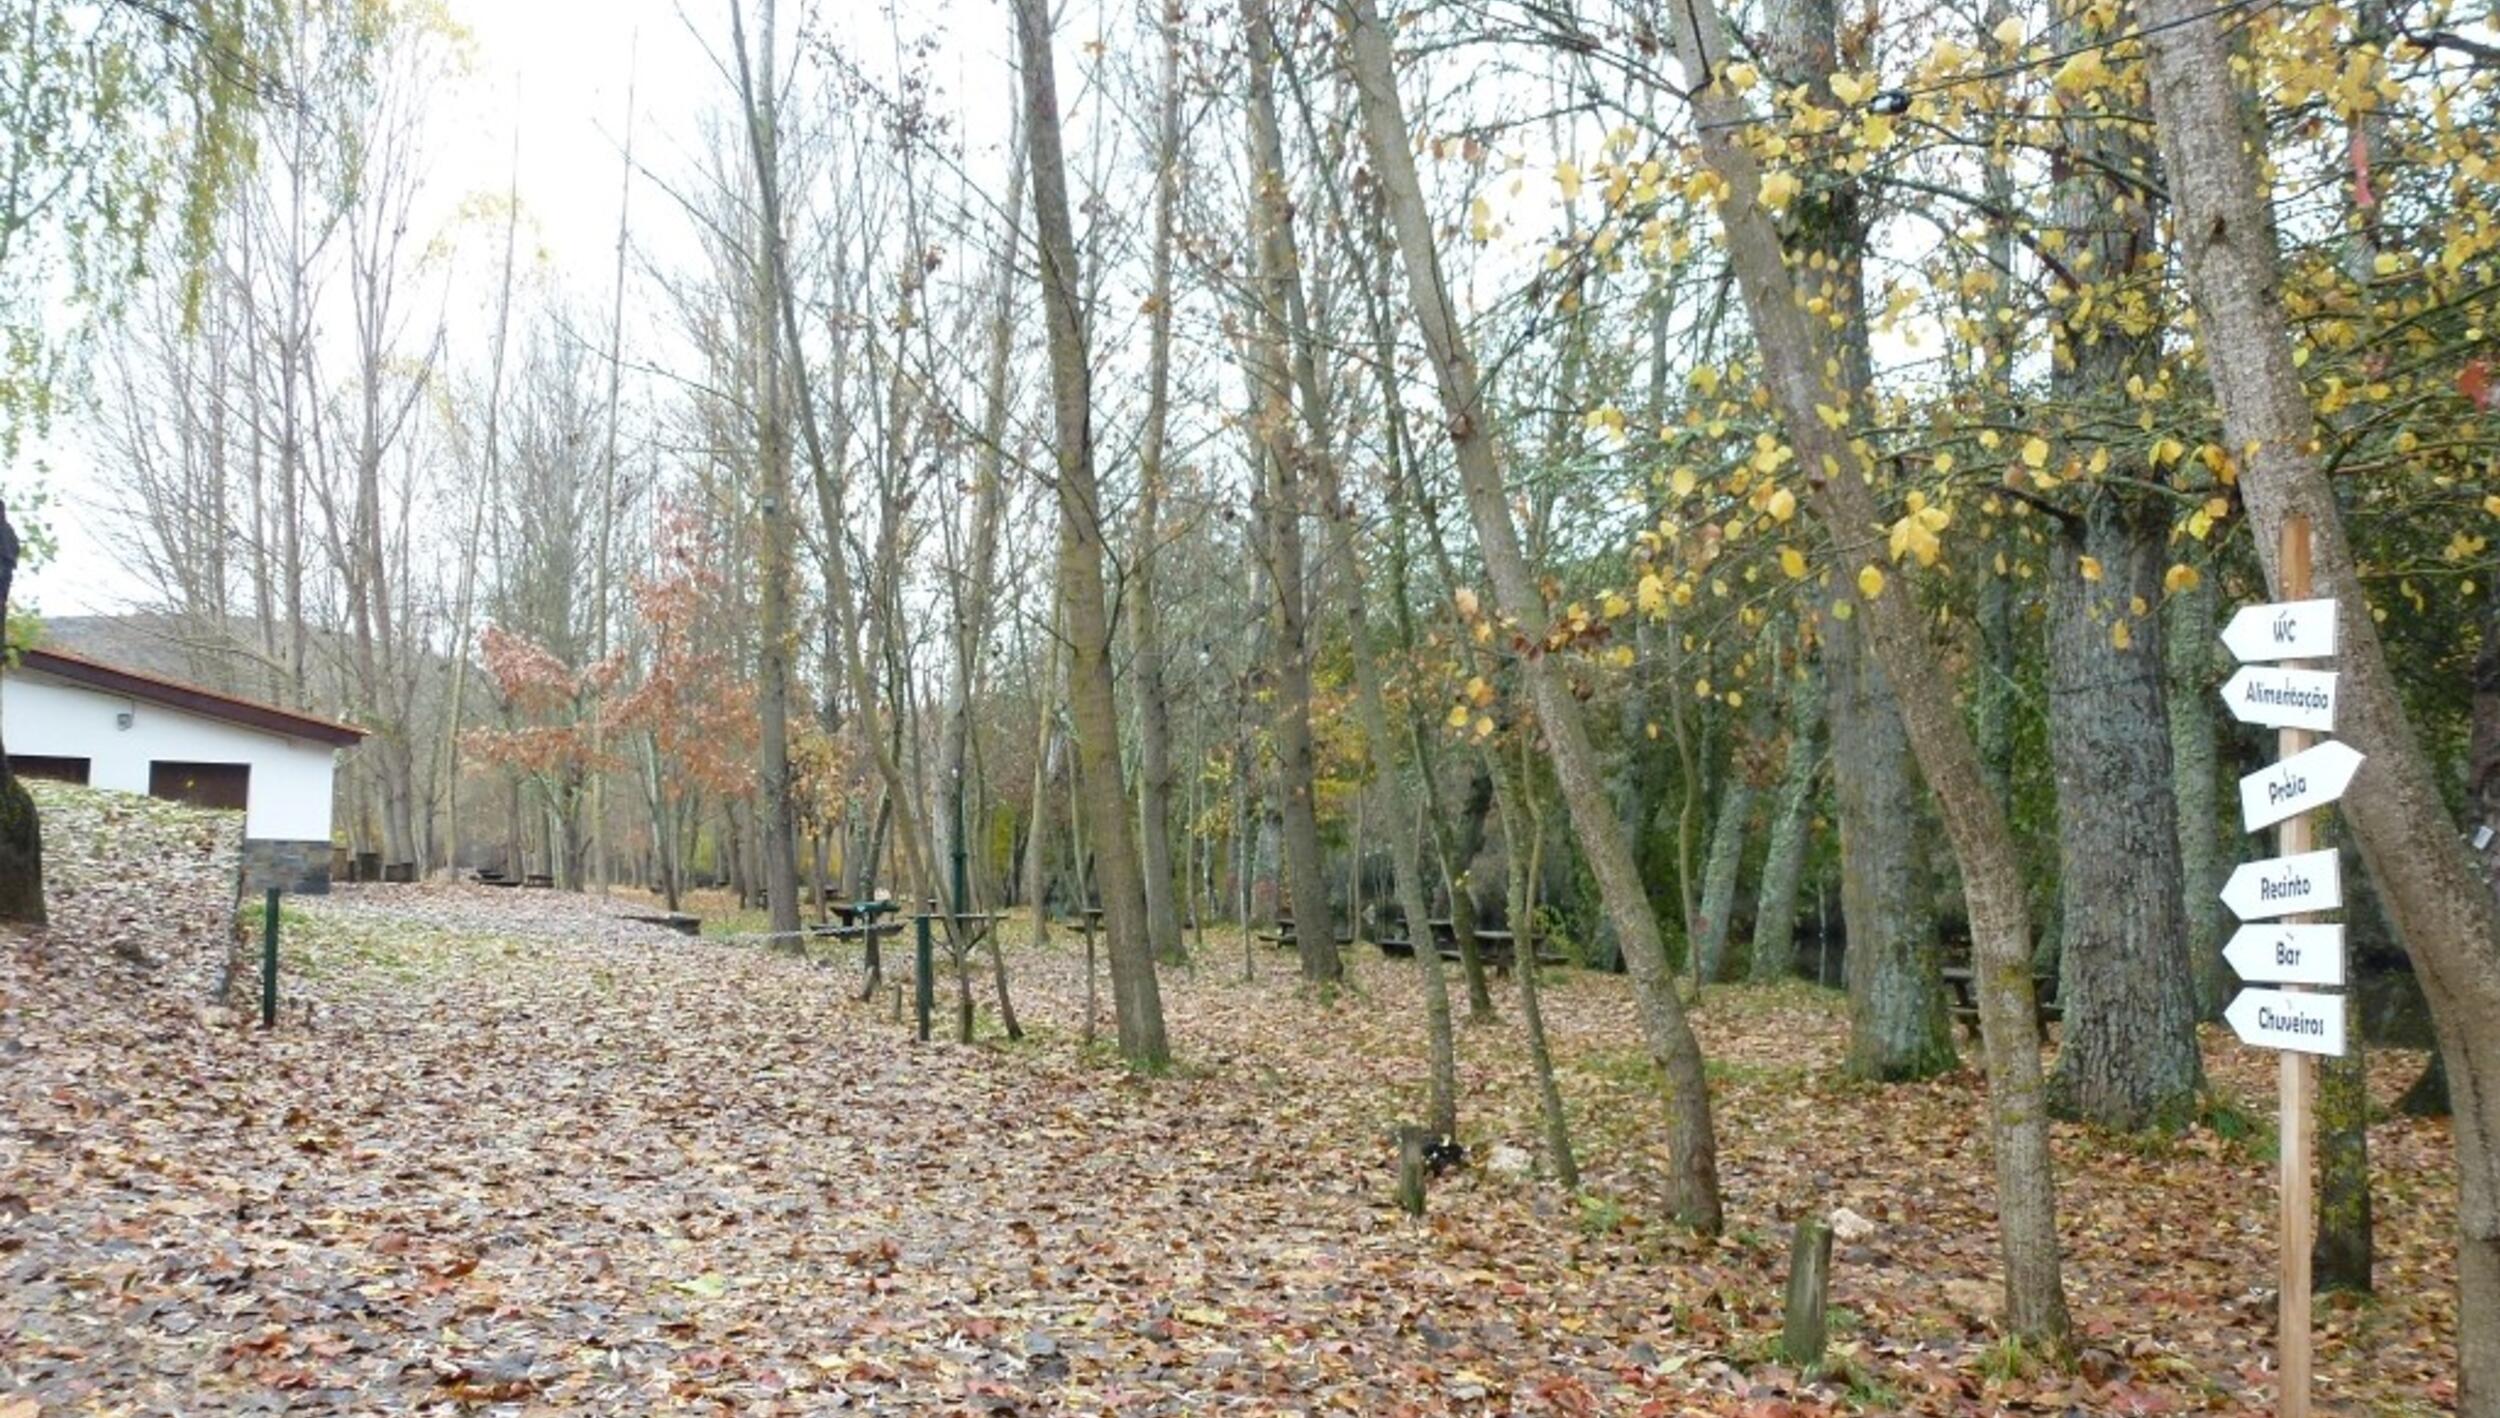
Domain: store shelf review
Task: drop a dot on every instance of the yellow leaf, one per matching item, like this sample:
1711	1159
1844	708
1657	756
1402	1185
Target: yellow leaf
1870	582
1779	189
1484	726
1458	716
1682	482
1567	177
1741	77
2035	453
1615	605
2491	504
1793	562
2091	568
2181	577
2009	33
2120	637
1849	89
1651	593
1782	505
1466	600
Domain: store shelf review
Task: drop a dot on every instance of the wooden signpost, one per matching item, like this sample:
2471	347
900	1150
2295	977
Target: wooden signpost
2297	953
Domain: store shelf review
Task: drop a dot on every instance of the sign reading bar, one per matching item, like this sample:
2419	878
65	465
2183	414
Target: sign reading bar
2282	698
2279	1019
2285	630
2285	886
2288	954
2288	787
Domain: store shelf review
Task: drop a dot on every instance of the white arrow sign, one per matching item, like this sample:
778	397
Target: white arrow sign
2285	630
2288	955
2311	778
2279	1019
2285	886
2281	698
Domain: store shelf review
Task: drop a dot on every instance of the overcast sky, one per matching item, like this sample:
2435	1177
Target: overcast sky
558	70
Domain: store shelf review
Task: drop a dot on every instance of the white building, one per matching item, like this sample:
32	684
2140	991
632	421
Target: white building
67	717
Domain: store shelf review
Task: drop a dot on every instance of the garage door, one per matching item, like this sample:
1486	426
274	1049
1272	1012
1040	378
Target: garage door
225	785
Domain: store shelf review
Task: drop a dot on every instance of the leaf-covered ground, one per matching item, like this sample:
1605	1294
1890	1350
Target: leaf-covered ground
524	1158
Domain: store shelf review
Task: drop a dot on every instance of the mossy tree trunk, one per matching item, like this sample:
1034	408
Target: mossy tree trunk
21	832
2340	1259
1784	860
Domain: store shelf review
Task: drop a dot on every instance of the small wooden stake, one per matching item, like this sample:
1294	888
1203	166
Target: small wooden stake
1411	1170
1802	1326
2299	1073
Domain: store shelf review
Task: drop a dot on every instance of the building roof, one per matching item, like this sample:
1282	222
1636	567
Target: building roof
190	698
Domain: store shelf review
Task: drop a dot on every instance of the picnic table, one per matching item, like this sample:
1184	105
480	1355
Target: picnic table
1283	936
1963	981
677	921
1497	948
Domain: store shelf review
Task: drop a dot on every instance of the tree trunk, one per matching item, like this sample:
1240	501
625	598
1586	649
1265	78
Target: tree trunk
21	832
1146	686
1272	423
1797	357
2340	1260
1693	1186
2425	874
1137	999
2195	766
1280	268
775	827
1784	860
1719	871
2129	1057
1523	828
1898	1025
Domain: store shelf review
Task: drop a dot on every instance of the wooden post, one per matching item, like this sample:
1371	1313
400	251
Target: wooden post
1411	1170
2299	1071
1802	1326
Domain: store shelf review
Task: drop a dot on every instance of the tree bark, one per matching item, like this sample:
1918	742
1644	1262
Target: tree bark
2128	1058
2441	908
2195	767
1280	269
772	453
21	830
1796	356
1693	1186
1146	686
1784	859
1136	996
1282	459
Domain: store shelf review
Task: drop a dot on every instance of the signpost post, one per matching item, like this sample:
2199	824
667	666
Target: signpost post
2296	952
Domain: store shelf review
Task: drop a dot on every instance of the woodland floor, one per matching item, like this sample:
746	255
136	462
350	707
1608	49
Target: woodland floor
523	1157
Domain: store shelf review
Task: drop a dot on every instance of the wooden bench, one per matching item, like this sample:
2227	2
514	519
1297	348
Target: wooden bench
677	921
540	880
1963	981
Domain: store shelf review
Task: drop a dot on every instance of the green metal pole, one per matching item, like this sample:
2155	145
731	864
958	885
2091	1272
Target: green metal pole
923	986
269	960
960	905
